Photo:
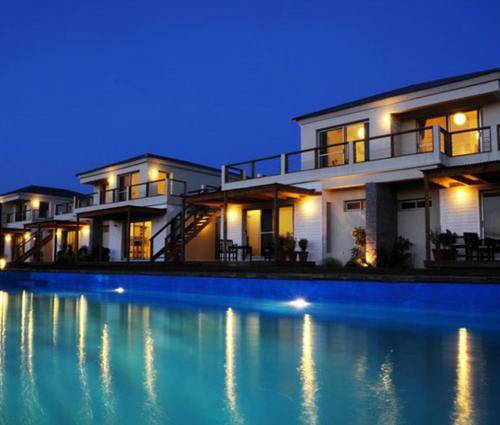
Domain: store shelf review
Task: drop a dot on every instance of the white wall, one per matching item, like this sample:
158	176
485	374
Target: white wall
460	211
308	223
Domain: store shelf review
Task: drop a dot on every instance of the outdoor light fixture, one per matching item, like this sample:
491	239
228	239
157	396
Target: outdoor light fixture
459	118
299	303
27	235
35	204
460	193
154	174
111	180
361	133
386	119
119	290
86	230
308	206
232	214
8	238
3	263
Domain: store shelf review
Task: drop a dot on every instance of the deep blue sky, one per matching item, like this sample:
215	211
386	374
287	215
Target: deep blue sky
83	83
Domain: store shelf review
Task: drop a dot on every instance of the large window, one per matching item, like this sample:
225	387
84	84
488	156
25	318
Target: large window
463	138
127	186
334	144
140	233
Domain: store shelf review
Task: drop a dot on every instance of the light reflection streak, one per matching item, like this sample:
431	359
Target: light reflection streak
55	319
4	302
82	330
308	374
106	371
386	392
464	399
152	408
230	367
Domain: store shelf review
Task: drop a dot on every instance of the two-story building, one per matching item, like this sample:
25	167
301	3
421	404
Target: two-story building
402	163
31	221
136	206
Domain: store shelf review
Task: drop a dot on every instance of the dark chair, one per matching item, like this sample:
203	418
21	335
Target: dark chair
268	252
232	253
490	248
474	247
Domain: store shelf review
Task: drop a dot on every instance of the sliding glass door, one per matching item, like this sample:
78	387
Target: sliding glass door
491	214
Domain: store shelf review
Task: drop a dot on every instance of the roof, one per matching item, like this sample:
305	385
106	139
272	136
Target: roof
43	190
397	92
153	156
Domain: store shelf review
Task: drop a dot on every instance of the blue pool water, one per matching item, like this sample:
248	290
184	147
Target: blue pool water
226	351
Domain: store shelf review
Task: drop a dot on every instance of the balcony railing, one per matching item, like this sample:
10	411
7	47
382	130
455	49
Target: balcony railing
64	208
27	215
387	146
169	187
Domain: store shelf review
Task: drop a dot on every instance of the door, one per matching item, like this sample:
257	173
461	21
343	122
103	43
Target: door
491	212
253	218
140	233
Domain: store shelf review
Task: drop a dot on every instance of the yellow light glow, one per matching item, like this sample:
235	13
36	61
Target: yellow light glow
86	230
3	263
35	203
461	194
230	366
8	238
361	133
308	373
386	119
308	206
459	118
154	173
464	399
59	233
232	214
112	180
27	235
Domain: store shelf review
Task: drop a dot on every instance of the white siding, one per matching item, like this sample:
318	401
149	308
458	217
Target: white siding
460	209
308	225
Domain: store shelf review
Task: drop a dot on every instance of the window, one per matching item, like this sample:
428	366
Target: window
127	186
161	183
355	205
334	144
464	141
412	204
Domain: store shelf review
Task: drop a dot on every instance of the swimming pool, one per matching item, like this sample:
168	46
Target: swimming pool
78	348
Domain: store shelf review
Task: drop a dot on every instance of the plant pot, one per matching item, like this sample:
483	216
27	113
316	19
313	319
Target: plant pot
442	254
303	256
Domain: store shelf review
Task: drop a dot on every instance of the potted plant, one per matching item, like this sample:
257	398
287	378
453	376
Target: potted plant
443	243
303	253
290	244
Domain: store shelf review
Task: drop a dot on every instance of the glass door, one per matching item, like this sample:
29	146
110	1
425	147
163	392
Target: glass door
140	233
491	212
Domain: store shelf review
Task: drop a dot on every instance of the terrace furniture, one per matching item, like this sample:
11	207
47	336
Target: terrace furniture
232	253
474	247
268	252
246	250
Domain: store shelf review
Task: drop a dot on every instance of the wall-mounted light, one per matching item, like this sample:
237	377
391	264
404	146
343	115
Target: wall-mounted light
27	235
232	214
361	132
3	263
59	233
111	180
460	194
85	230
308	206
386	119
8	238
154	173
35	203
459	118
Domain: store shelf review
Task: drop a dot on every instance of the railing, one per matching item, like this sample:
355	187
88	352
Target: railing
27	215
168	187
386	146
64	208
468	142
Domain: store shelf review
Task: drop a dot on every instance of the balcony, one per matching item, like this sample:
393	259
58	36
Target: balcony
429	140
26	216
136	192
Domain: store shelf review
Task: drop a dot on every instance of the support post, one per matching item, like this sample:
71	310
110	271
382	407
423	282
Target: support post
224	226
101	238
2	237
276	222
183	225
77	237
54	250
427	219
127	236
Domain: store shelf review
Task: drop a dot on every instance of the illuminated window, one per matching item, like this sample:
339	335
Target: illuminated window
334	144
140	233
412	204
355	205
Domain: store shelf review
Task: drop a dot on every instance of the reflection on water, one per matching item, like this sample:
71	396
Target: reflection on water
66	357
230	366
308	373
464	409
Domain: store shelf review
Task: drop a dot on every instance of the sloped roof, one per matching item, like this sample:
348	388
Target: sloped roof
153	156
43	190
403	90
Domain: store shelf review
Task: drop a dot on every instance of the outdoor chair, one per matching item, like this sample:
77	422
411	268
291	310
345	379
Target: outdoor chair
268	252
474	248
232	253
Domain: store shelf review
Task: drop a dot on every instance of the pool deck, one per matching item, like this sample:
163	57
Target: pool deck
274	271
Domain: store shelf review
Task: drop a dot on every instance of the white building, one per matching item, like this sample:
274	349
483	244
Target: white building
32	221
363	164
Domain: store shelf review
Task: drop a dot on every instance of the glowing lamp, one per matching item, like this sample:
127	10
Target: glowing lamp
59	233
3	263
308	206
119	290
27	235
8	238
232	214
299	303
361	133
86	230
154	174
111	180
386	119
35	204
460	194
459	118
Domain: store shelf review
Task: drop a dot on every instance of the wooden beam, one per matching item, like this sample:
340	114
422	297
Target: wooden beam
224	226
276	222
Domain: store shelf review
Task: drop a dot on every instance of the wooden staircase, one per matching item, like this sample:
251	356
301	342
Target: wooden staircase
37	242
195	220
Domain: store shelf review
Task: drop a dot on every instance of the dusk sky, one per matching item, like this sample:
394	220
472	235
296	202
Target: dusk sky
85	83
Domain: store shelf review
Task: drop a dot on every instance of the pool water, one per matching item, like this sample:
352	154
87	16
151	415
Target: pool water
71	357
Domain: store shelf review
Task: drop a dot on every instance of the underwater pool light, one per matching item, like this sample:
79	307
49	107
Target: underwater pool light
3	263
299	303
119	290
